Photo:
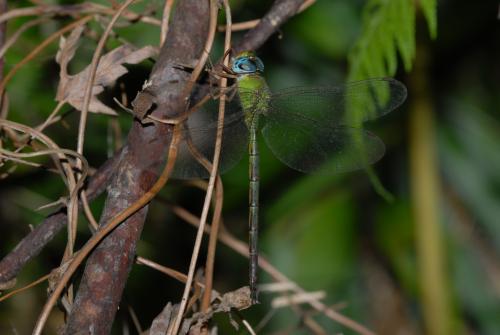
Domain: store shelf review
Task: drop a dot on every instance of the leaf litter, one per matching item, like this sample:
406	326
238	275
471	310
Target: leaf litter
235	300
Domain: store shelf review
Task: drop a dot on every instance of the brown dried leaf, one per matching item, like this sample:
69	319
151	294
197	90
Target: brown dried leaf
239	299
163	321
67	48
72	87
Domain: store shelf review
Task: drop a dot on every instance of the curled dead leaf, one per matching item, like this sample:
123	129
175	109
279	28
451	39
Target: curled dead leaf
238	299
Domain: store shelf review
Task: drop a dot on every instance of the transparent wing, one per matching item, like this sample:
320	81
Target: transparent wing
200	130
308	127
349	104
310	147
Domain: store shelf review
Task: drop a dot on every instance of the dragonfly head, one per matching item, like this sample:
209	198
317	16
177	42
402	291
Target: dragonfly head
247	63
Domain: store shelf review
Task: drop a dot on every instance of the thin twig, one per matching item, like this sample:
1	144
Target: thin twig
52	117
165	19
248	327
241	25
88	213
167	271
253	23
212	243
135	319
24	288
298	298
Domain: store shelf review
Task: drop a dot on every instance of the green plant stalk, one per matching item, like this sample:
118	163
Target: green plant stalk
425	190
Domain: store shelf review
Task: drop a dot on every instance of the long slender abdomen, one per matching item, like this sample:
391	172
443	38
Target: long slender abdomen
253	219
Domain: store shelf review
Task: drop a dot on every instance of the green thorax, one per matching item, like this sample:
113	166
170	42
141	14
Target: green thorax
254	96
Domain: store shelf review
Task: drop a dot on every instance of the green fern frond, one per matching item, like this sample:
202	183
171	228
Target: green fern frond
429	7
389	27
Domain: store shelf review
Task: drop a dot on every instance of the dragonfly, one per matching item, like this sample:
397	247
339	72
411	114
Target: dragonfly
310	129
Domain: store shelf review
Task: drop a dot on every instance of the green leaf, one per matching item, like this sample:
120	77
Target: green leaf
388	27
429	7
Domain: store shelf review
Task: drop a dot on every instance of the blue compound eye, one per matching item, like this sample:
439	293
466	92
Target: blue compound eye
245	65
